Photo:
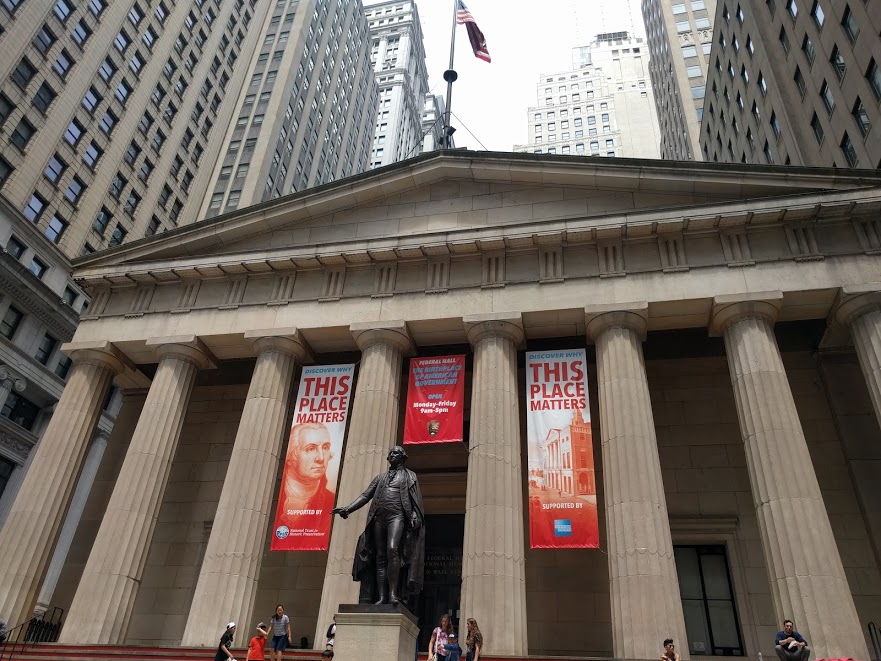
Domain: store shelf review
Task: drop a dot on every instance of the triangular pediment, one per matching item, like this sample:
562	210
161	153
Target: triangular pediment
444	198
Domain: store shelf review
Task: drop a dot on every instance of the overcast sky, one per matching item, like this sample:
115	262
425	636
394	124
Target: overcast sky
525	40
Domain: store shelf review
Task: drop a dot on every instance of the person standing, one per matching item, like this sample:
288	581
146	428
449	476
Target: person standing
473	640
331	634
224	648
439	638
257	646
281	633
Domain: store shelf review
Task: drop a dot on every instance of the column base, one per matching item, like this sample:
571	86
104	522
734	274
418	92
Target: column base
376	632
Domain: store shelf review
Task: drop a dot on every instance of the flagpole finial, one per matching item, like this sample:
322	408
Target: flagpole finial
451	76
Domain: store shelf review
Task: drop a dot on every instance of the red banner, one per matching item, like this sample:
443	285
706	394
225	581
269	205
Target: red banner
435	397
562	483
312	462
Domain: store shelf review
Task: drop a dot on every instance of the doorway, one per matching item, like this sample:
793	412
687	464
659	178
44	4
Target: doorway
444	537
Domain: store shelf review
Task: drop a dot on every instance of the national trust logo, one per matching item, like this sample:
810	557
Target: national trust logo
282	532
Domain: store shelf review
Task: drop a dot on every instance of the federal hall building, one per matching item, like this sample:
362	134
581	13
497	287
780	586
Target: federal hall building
732	320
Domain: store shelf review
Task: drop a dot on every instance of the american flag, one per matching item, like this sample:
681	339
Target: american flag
475	36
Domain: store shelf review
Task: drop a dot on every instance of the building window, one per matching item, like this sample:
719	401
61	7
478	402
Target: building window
108	122
775	124
24	72
38	267
15	247
56	228
44	39
92	155
807	47
784	39
818	15
45	349
799	81
55	169
693	72
44	97
73	133
75	190
102	220
34	208
826	95
861	117
5	170
21	411
6	108
10	323
69	296
837	62
22	134
792	8
817	128
62	369
762	84
91	99
849	23
873	75
118	236
63	10
850	153
708	601
81	33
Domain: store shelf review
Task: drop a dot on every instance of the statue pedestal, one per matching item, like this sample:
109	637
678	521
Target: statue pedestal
365	631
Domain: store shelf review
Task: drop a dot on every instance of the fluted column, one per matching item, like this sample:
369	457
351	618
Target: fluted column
228	578
860	309
808	584
373	430
8	381
31	529
493	567
646	606
103	602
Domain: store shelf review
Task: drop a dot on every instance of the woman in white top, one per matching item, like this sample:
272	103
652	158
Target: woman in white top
439	638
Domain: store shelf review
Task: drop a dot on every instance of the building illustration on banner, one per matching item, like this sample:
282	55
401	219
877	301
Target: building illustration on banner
562	484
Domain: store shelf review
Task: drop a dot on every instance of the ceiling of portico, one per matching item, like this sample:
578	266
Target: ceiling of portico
460	203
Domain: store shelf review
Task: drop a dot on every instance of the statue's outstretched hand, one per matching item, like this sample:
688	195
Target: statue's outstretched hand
342	511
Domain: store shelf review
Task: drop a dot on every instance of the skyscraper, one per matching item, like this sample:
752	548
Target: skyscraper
112	114
305	115
601	107
795	82
680	36
398	57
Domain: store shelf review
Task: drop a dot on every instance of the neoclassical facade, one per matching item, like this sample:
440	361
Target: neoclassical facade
732	316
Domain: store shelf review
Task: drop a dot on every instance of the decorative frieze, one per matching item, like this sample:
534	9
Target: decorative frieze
672	250
735	247
803	243
283	289
187	299
869	234
141	300
235	293
334	281
610	255
384	280
550	264
493	270
438	277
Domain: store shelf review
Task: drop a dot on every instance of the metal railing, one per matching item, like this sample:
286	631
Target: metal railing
39	629
875	637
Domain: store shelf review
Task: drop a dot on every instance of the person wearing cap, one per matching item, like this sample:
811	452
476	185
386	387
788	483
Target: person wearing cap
452	648
224	649
257	646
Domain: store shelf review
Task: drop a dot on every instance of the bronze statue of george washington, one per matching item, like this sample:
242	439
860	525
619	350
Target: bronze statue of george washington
390	556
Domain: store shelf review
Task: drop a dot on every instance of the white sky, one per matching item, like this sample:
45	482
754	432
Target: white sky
525	40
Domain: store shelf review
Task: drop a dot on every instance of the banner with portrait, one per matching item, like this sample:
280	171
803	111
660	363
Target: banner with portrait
435	400
312	459
562	482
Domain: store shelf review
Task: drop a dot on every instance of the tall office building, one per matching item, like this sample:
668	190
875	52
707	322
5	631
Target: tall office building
109	111
603	106
112	114
680	36
305	116
795	81
433	123
398	57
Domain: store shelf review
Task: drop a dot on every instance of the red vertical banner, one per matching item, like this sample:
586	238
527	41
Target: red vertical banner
312	460
562	483
435	400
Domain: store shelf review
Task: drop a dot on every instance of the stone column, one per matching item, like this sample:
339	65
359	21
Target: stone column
8	381
72	520
808	583
31	529
373	431
493	563
646	606
860	308
228	578
103	602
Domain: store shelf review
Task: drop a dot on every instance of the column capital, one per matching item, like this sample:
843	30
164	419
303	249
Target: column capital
285	340
183	347
856	300
16	382
500	324
394	333
633	316
101	354
731	308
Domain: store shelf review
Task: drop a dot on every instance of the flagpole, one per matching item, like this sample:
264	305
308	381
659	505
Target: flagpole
450	76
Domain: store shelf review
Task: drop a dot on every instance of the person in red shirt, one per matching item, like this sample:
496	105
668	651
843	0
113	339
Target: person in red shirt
257	646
